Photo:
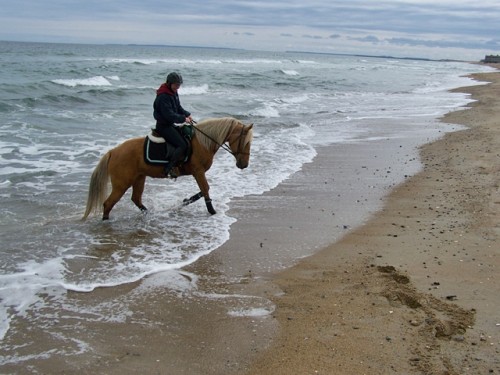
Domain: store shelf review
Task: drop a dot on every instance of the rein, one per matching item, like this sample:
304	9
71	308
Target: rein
223	145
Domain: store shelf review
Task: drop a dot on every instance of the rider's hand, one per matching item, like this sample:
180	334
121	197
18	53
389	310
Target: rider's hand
189	119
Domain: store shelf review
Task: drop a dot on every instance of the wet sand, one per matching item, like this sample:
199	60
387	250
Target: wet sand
405	282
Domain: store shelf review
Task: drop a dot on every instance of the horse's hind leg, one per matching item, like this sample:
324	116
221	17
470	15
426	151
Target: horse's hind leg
137	190
113	198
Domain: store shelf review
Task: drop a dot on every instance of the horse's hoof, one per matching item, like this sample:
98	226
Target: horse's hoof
105	218
210	208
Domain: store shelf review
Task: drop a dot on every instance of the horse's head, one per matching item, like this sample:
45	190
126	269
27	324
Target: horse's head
217	132
240	140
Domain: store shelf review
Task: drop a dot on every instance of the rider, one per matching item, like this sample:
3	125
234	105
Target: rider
170	117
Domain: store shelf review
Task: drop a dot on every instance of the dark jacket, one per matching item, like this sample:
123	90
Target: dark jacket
167	108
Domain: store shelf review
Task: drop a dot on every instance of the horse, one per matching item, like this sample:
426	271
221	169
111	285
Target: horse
125	166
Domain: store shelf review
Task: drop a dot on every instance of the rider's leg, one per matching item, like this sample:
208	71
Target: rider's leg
173	136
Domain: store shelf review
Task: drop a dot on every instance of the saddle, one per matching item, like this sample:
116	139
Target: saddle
157	150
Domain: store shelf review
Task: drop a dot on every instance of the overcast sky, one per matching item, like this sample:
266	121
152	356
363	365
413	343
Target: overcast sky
442	29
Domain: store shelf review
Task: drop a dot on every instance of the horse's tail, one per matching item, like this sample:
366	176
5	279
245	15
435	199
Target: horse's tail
98	187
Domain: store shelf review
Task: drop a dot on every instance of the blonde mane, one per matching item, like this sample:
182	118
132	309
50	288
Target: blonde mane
217	130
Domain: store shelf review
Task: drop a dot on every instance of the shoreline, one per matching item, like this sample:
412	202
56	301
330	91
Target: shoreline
415	289
352	301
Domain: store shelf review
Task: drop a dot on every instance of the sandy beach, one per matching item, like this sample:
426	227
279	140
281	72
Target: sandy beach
376	258
415	289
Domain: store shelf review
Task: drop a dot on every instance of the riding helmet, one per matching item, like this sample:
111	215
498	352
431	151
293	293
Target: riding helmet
174	78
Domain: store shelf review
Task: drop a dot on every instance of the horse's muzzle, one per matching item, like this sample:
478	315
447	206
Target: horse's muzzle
241	164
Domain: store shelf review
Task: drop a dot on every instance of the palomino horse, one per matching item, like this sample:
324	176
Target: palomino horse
125	166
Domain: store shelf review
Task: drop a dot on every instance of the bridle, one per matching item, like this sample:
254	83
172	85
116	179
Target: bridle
240	141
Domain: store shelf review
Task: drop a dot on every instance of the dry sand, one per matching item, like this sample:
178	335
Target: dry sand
416	289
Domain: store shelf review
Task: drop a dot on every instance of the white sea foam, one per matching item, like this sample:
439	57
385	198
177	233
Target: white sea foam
293	99
290	72
254	312
92	81
193	90
268	110
18	290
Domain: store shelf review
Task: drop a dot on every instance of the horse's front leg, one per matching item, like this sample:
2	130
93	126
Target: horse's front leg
201	180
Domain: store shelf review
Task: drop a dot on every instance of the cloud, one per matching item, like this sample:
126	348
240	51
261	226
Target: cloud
440	26
307	36
245	33
489	44
367	39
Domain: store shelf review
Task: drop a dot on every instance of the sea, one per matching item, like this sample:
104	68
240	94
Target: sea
63	106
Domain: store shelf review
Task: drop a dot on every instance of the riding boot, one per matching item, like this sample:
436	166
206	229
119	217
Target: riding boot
168	168
174	172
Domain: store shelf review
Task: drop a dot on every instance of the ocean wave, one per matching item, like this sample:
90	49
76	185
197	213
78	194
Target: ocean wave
140	61
91	81
268	110
194	90
195	61
133	61
69	99
305	62
289	72
4	107
293	99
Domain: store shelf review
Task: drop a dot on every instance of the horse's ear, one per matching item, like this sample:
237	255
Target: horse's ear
250	126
